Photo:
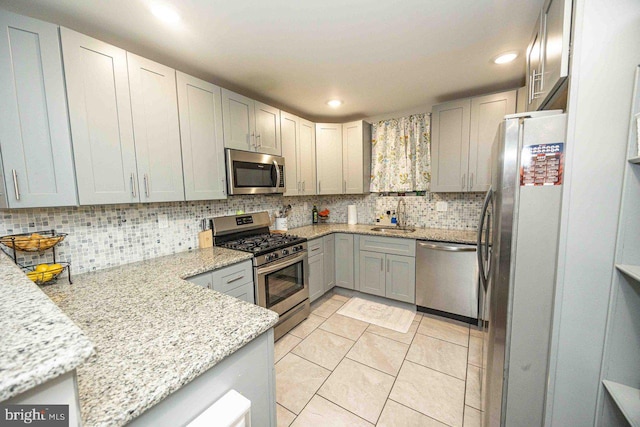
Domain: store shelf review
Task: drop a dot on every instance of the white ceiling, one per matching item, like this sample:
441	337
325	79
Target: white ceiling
379	56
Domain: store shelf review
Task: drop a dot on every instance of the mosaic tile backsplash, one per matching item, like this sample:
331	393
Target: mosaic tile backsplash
110	235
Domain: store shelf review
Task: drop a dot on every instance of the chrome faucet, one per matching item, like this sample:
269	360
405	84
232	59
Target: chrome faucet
401	212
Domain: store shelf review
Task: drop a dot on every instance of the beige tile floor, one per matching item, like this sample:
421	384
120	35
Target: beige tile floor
332	370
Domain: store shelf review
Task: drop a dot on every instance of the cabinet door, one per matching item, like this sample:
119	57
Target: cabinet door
154	105
244	292
534	68
267	129
100	115
486	114
352	158
344	261
289	134
556	16
34	123
205	280
307	157
238	118
401	278
316	277
329	158
450	146
372	274
329	262
200	110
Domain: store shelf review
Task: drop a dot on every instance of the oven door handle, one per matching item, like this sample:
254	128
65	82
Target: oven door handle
284	263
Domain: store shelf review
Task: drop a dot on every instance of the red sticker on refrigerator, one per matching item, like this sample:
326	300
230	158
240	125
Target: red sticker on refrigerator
542	164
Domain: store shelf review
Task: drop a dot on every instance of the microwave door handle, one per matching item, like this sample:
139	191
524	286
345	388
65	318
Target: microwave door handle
275	164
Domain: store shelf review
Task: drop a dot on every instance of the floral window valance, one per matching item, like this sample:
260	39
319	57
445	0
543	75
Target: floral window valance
400	154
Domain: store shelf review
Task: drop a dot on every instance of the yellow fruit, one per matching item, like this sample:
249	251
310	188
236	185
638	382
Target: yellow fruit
46	277
34	276
55	269
42	267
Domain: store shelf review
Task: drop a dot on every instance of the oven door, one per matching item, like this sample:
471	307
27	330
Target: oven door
283	285
254	173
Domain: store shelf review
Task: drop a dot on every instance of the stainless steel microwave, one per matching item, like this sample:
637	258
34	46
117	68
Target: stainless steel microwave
254	173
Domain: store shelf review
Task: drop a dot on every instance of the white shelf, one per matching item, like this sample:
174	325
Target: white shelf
632	271
628	400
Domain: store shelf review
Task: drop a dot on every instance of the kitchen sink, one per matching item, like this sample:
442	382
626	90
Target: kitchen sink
394	229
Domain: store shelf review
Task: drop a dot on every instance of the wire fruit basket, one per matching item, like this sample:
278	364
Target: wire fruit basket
45	273
33	242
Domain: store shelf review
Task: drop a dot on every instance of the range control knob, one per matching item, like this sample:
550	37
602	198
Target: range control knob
285	252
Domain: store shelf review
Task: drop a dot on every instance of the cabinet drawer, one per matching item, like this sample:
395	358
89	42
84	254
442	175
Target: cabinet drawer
229	278
388	245
315	247
244	292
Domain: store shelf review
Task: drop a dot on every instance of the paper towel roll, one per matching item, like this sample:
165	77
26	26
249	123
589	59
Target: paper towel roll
352	214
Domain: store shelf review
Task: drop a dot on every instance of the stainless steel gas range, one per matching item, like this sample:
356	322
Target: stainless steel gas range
280	265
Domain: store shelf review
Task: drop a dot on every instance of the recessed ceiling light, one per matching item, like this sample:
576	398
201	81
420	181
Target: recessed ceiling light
505	58
165	13
334	103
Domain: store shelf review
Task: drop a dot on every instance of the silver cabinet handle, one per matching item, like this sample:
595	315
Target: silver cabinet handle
253	137
381	264
471	182
315	249
464	180
344	186
236	279
146	185
304	186
388	263
258	138
15	183
134	193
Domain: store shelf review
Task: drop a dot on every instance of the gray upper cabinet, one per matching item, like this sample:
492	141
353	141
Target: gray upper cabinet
329	158
463	132
238	117
267	129
486	114
298	140
200	110
157	131
450	146
344	260
289	135
356	157
250	125
37	161
100	116
548	53
307	157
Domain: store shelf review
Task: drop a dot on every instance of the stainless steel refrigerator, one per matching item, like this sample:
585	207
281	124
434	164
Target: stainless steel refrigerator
517	256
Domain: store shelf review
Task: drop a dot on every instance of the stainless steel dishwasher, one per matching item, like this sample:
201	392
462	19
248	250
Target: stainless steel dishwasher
447	280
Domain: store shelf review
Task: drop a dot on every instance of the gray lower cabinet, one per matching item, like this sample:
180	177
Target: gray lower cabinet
372	276
387	267
401	278
316	276
37	160
329	262
344	260
235	280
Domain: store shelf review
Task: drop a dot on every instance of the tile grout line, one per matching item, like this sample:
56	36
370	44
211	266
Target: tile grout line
421	413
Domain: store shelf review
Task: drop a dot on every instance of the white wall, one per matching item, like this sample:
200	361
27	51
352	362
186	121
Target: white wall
606	50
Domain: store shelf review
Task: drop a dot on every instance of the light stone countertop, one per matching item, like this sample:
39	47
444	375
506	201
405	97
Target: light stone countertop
153	331
38	341
435	234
